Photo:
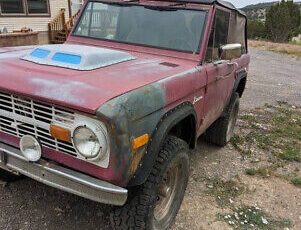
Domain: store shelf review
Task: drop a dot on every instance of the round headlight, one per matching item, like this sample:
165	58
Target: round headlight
30	148
91	143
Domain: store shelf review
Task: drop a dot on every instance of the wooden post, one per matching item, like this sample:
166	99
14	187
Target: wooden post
63	17
50	33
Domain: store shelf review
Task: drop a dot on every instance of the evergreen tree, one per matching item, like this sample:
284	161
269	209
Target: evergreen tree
283	21
295	15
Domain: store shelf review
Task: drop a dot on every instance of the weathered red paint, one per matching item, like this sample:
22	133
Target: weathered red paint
86	91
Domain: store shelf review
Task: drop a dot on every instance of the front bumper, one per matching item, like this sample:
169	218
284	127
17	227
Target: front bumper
62	178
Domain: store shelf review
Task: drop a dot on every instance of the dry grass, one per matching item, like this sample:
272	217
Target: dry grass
276	131
290	49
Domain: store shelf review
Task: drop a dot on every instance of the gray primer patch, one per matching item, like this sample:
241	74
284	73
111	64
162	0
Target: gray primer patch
59	90
14	54
91	57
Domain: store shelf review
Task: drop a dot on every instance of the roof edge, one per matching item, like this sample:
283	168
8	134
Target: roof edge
209	2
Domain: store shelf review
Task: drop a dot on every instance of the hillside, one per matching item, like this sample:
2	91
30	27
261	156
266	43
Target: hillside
258	11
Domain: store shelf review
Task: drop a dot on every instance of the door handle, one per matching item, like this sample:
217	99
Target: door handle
222	77
233	64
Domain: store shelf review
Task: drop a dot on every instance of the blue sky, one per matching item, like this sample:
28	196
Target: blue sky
242	3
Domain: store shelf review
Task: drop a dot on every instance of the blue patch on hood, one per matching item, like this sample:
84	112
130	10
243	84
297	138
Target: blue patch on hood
67	58
40	53
76	57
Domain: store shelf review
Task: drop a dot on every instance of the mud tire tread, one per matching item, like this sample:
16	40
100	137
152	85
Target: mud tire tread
136	213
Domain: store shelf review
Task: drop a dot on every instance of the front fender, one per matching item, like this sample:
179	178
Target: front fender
166	123
131	115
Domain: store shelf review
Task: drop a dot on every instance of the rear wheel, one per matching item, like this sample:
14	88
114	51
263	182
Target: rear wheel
222	130
155	204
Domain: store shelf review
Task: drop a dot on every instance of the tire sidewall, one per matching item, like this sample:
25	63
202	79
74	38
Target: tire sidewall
232	116
138	212
183	157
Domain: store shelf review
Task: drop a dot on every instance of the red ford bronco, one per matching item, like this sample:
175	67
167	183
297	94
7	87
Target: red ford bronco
111	114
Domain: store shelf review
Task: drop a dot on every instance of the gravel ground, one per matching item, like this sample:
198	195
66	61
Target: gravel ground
272	77
26	204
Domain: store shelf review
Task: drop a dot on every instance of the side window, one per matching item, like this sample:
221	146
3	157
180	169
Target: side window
218	36
237	30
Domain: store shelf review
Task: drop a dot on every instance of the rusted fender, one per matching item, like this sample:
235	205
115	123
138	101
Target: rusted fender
137	113
131	115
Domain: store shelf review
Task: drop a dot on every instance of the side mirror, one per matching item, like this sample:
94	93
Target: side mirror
230	51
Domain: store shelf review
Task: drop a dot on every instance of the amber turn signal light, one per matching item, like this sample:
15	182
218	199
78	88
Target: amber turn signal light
60	133
140	141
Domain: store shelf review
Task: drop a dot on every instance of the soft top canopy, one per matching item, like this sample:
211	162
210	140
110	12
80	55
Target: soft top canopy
210	2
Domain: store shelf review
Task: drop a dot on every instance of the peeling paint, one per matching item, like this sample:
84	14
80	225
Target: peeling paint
133	114
14	54
106	83
60	90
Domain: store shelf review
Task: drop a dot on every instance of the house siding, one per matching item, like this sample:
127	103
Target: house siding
39	24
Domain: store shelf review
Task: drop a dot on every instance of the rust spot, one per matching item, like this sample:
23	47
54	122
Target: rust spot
137	156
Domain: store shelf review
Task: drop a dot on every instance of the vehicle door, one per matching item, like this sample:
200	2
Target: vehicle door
220	73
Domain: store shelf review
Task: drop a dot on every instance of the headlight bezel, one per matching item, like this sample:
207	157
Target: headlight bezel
100	131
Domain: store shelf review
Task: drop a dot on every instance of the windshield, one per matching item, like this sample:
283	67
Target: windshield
154	26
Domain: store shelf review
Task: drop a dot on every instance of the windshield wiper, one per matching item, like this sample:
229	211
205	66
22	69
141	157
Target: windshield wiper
178	4
160	8
119	4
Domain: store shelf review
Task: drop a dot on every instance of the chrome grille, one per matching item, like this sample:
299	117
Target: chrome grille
20	116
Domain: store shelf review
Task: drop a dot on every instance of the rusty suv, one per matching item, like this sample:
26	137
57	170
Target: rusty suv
111	114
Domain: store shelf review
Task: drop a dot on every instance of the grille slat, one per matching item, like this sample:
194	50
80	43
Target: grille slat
20	116
4	101
3	95
11	130
6	105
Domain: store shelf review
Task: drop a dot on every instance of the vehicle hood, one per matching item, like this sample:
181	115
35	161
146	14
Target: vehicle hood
82	90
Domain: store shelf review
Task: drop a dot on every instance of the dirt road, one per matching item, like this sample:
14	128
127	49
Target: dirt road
27	204
272	77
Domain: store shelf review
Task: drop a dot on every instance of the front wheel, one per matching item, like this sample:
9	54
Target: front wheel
7	176
155	204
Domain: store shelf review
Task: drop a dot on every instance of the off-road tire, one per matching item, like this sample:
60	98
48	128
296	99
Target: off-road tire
7	176
139	211
221	131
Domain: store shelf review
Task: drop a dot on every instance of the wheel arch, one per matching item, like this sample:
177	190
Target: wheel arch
240	83
171	122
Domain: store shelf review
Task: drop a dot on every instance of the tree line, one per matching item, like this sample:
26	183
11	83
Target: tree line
283	21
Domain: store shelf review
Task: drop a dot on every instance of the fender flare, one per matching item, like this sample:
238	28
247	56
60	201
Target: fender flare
169	120
240	76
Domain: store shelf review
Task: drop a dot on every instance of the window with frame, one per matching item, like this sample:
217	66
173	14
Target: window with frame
218	36
237	30
181	30
24	7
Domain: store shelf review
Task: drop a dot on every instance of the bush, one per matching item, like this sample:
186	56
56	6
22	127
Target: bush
256	29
